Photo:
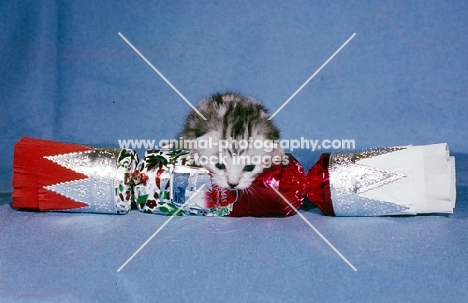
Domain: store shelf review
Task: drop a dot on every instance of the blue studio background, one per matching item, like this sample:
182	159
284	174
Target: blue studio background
66	75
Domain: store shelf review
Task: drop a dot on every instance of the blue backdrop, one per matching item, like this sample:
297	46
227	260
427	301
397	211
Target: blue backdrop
67	75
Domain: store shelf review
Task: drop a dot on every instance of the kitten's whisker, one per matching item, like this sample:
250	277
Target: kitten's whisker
246	191
250	191
253	191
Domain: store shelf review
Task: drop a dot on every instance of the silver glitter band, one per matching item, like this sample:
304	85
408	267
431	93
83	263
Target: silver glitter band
348	179
105	189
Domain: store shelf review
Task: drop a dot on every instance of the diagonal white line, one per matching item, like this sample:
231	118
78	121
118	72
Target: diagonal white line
161	75
313	227
311	77
159	229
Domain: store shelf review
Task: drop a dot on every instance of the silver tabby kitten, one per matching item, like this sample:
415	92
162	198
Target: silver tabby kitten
236	141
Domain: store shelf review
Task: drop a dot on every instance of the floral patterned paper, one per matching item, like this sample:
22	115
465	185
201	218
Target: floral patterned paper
165	185
126	165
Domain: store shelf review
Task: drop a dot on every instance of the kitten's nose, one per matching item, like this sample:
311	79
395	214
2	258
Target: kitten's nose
233	185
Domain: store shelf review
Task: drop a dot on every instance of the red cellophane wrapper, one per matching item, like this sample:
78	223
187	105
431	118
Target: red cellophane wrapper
318	185
260	200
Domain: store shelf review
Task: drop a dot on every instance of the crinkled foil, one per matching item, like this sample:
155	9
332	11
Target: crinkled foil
107	188
348	179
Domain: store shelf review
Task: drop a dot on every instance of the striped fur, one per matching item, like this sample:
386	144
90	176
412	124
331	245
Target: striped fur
231	116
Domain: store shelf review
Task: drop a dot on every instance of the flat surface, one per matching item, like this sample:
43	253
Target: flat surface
58	257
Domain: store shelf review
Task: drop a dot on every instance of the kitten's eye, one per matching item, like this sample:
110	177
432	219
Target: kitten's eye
249	167
220	166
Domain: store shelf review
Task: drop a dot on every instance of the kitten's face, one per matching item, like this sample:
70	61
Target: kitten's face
234	168
229	116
